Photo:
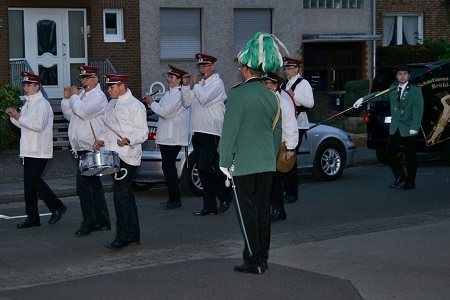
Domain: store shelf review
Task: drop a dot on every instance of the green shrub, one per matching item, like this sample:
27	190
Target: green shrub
353	91
9	134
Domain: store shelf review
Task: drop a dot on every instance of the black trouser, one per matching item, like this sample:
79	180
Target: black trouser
169	157
207	160
35	187
253	193
92	198
290	179
410	144
276	197
127	222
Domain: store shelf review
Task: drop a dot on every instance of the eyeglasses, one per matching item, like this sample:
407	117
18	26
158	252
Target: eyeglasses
204	66
289	68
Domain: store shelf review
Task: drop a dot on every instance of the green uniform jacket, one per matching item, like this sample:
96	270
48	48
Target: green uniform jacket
406	113
247	135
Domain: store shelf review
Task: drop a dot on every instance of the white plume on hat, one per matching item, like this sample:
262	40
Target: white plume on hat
262	53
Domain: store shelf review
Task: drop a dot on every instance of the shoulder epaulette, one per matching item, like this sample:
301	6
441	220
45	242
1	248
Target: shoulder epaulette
236	85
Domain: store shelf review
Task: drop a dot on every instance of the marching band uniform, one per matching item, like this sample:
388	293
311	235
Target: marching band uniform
207	99
304	98
84	110
127	116
289	136
172	135
36	148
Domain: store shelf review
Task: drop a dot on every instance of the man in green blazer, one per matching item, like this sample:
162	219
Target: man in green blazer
251	138
406	109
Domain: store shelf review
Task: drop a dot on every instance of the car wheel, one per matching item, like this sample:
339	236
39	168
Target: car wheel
445	154
190	180
382	155
329	162
141	186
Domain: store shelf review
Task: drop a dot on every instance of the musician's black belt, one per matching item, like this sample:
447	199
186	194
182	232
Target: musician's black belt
301	108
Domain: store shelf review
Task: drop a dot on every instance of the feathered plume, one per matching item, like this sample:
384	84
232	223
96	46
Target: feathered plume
262	53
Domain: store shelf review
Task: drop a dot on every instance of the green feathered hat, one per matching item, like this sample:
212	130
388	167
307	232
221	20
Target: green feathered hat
262	53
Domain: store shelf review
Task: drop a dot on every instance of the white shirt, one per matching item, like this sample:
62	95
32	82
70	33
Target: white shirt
128	117
36	127
173	119
207	99
83	110
303	95
288	122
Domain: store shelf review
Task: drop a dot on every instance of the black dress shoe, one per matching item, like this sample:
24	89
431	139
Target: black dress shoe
83	231
57	215
116	245
224	206
247	268
99	227
170	205
205	212
28	223
397	182
408	186
278	214
290	199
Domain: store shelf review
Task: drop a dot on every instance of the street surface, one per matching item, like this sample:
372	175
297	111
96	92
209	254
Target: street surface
349	239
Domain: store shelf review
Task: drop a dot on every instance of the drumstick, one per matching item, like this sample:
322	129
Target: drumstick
92	128
118	135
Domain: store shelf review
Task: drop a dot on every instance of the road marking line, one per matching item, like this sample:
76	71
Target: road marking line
18	217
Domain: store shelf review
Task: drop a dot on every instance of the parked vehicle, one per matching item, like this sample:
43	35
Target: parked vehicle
433	78
325	151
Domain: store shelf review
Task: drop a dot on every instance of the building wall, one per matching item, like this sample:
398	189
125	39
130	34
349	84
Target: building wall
124	56
290	22
436	16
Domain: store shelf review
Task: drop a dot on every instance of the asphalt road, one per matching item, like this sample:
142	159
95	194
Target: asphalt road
187	257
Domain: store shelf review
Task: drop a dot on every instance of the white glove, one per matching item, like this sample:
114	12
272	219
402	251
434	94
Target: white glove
412	132
225	171
358	103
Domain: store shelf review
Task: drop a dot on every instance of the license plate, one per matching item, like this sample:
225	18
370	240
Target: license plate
387	120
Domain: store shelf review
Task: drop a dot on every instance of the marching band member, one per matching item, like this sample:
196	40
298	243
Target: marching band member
85	111
172	132
35	121
125	130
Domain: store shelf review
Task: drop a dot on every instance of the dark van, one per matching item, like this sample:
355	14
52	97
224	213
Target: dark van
434	79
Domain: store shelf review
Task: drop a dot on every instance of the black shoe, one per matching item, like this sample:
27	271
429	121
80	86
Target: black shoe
408	186
28	223
205	212
83	231
265	266
99	227
397	182
224	206
57	215
290	199
278	214
247	268
170	205
116	245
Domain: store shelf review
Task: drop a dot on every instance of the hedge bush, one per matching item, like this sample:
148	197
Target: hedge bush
353	91
9	134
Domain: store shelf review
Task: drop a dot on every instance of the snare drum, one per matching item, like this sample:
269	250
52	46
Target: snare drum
99	163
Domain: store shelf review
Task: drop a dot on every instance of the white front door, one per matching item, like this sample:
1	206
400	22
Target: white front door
47	48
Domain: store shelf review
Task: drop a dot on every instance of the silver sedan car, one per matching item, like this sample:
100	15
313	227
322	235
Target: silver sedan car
325	151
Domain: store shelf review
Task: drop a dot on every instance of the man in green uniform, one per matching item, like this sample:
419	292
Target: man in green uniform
251	137
406	109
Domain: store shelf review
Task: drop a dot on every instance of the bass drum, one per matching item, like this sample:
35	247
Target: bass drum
99	163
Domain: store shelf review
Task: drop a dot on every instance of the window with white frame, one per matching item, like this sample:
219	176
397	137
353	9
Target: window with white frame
402	29
333	4
180	32
113	25
247	22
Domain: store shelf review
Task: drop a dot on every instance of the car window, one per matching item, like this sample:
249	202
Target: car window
151	116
